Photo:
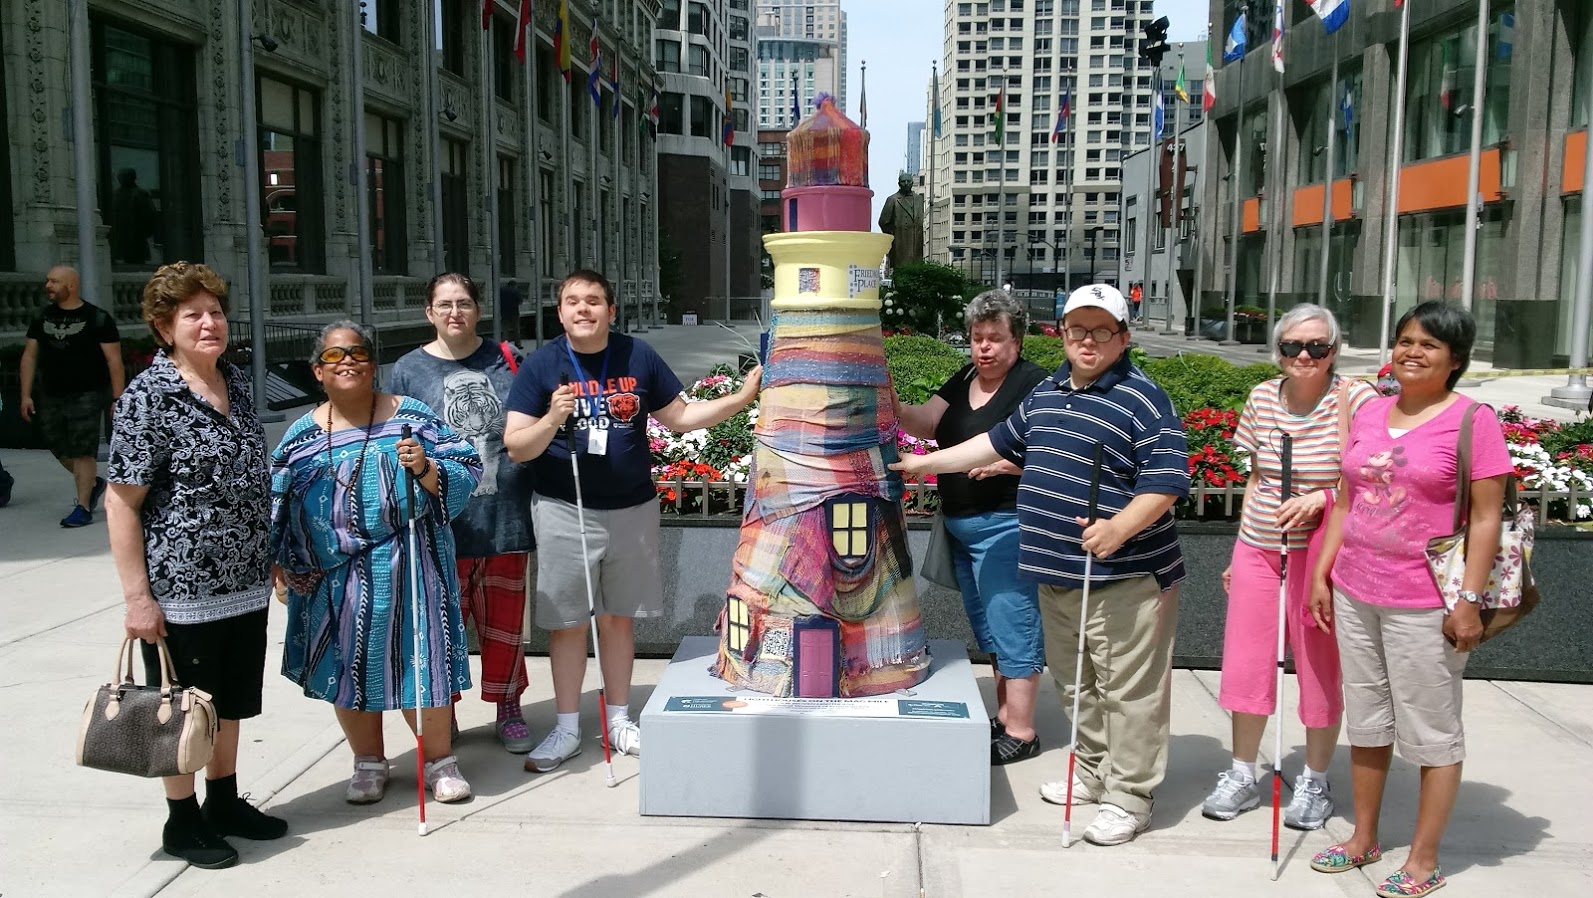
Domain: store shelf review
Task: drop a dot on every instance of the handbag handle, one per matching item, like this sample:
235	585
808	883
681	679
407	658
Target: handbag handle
1512	498
124	664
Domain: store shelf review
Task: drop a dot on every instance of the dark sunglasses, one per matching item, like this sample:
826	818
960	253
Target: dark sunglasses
1291	348
331	355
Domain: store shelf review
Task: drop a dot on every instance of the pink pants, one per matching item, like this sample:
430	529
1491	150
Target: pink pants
1250	639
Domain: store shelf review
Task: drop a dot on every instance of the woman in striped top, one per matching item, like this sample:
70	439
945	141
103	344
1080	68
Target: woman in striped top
1313	405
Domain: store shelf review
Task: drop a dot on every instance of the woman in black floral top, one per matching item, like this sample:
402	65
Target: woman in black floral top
189	518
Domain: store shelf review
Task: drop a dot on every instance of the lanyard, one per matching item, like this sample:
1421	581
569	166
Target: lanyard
576	363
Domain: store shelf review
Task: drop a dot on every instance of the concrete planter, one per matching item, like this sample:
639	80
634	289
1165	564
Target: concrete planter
1552	645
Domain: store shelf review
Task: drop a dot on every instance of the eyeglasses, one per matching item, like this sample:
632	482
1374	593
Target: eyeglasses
1291	348
448	308
1099	334
331	355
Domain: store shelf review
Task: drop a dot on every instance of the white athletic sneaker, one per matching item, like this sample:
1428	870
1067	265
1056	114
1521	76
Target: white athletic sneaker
1232	797
560	746
625	737
442	775
1311	806
1114	826
369	782
1057	792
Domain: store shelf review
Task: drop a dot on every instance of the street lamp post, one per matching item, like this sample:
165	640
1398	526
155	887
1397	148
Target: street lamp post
1094	235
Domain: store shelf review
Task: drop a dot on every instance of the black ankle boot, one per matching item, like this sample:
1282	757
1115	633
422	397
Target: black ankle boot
187	836
230	815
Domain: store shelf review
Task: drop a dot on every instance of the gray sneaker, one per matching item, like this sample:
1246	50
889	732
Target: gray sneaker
1231	798
1311	806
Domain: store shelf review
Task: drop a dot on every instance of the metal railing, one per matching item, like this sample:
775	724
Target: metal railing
707	499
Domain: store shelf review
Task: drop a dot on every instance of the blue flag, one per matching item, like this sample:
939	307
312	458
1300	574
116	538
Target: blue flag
1236	46
1158	114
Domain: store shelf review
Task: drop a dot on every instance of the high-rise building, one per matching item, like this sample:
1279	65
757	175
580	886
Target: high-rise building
809	20
1047	199
912	160
707	201
792	72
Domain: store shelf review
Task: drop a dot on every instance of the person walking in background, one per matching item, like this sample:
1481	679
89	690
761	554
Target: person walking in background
509	308
1313	405
1403	652
340	506
1098	398
74	349
596	388
466	380
981	513
189	520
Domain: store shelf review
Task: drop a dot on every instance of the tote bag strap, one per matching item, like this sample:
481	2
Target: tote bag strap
1463	468
1344	414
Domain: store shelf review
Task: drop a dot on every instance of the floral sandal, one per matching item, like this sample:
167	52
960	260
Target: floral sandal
1404	885
1337	860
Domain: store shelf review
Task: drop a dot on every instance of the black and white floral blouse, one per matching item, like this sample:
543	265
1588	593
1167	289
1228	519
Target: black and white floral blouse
207	514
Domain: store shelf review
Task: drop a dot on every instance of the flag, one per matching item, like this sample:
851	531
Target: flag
730	119
1447	94
595	76
934	114
522	25
1235	48
1209	86
796	100
1179	87
862	105
561	40
1277	36
1333	13
1158	113
1001	118
486	14
1062	113
652	113
1507	36
1347	109
614	84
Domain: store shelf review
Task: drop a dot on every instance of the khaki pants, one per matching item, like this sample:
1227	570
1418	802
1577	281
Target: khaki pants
1127	699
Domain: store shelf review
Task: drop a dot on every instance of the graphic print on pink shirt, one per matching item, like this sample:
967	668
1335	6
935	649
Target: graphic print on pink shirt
1380	492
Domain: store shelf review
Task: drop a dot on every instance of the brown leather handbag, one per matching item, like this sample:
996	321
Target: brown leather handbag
150	730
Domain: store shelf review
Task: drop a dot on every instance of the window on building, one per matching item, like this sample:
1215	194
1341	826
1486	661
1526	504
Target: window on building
669	16
545	219
547	76
697	60
1438	99
668	53
696	18
384	170
703	117
580	103
1581	24
505	68
451	35
384	19
147	142
455	204
672	113
290	168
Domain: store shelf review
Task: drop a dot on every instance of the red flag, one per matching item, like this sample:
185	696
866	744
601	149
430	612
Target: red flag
524	23
486	13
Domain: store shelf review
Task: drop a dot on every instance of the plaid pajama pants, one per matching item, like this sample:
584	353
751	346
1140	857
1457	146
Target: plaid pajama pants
492	592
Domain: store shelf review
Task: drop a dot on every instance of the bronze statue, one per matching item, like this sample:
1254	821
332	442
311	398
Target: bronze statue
903	219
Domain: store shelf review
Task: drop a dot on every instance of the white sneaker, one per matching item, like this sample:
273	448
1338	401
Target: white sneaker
442	775
369	782
1057	792
625	736
1114	826
560	746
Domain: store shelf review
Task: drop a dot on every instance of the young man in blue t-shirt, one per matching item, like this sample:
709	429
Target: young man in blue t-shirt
602	386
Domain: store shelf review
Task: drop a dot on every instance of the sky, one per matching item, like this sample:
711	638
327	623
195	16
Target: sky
899	39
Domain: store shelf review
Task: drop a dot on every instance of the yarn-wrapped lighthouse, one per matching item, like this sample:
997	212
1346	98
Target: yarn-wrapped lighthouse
821	600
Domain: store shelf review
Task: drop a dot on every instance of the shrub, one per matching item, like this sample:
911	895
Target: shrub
1206	381
1047	352
927	297
919	365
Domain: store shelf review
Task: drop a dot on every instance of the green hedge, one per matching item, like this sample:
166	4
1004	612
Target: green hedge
1196	381
919	365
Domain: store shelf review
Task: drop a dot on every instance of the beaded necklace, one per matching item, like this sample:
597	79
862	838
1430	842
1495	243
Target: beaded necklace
359	463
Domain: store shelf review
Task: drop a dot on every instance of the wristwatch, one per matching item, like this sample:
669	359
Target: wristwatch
1466	595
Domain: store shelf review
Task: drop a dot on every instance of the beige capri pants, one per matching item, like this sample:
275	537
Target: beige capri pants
1402	681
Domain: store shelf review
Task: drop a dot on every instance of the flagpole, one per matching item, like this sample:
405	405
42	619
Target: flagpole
1479	87
1324	271
1153	162
1232	286
489	180
533	158
1391	201
1001	195
1276	143
1176	207
930	188
1575	393
1067	220
359	179
1192	305
439	258
568	212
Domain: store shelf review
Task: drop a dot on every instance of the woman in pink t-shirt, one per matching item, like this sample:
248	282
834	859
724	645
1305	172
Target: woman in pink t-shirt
1402	652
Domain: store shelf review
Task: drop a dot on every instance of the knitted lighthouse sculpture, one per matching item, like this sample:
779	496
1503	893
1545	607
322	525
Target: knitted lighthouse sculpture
821	599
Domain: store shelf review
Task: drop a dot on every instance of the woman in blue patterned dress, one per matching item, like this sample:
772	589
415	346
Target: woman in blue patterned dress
339	508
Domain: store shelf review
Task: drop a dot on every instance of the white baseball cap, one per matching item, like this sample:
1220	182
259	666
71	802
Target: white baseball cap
1100	296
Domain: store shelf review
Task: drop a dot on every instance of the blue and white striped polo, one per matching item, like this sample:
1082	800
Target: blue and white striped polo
1053	436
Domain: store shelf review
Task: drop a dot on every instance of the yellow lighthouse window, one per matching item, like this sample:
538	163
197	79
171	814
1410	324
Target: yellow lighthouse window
849	528
738	623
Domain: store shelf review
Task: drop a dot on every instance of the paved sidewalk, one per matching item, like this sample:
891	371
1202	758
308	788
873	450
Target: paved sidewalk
1521	826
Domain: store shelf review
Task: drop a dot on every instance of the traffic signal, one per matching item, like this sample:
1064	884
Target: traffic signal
1154	46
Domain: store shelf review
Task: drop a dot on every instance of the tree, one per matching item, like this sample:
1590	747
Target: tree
928	297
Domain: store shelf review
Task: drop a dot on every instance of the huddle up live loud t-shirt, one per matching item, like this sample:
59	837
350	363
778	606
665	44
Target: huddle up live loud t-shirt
1402	494
615	391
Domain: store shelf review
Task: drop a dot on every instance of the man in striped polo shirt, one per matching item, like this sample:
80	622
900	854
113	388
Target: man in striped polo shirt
1098	398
